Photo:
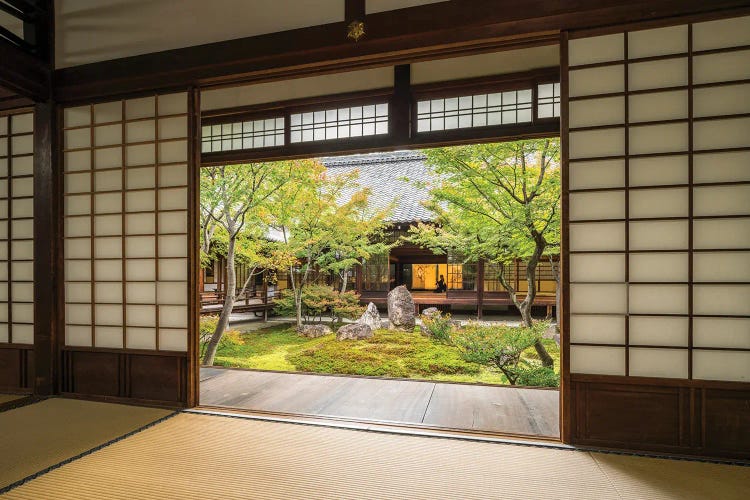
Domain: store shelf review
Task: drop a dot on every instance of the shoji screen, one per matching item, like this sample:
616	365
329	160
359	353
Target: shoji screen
16	250
126	242
659	181
17	229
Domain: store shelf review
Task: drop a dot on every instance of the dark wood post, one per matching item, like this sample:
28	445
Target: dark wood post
480	287
48	265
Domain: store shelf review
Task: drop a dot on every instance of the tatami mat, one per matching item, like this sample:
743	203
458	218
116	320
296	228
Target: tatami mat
202	456
7	398
43	434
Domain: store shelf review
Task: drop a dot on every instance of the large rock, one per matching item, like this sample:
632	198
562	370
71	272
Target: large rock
401	309
371	317
314	331
431	312
354	331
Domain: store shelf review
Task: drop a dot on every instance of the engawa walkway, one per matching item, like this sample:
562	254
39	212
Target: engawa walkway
532	412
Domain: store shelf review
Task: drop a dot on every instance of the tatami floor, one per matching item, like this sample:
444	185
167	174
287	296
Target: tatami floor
70	449
494	409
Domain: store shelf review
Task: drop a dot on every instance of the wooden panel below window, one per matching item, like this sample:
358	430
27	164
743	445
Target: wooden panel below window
661	415
16	368
128	376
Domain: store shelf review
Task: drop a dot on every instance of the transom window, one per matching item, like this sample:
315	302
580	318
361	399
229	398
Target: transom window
339	123
548	100
480	110
251	134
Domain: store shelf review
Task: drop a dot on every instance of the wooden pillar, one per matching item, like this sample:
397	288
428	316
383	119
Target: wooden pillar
480	287
48	286
358	276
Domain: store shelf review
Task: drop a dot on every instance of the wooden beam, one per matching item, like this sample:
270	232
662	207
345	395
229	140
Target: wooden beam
435	30
48	288
24	74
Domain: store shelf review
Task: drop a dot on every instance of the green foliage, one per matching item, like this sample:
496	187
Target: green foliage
438	326
503	348
206	330
319	301
387	353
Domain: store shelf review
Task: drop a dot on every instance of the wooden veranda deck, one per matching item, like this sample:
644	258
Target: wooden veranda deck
465	407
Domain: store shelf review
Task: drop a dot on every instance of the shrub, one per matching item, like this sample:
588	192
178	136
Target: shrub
502	347
319	301
207	328
438	327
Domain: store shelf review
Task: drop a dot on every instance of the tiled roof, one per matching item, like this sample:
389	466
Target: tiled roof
390	177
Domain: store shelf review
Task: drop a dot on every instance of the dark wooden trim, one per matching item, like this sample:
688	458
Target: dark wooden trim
125	376
441	29
47	247
688	417
23	73
193	260
494	83
400	123
566	402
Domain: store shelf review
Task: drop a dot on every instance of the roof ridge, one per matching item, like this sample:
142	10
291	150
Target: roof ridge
370	158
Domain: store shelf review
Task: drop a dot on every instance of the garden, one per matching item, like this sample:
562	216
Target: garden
438	351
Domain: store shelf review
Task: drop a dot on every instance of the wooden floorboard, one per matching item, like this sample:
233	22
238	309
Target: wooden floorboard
505	410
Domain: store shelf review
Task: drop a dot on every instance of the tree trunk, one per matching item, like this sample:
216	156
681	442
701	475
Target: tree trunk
298	306
226	311
344	280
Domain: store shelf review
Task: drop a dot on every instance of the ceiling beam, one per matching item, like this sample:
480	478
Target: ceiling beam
395	37
24	74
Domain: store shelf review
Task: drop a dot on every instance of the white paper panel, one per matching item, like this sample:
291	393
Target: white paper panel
667	138
659	330
592	112
140	247
724	100
140	223
596	49
659	235
78	270
108	112
173	269
109	336
172	199
721	266
173	339
596	81
108	314
597	360
726	67
77	138
721	332
658	106
658	170
653	203
108	158
658	42
78	314
141	338
74	117
142	154
145	107
23	333
140	201
658	267
171	293
140	131
315	86
721	365
108	292
597	268
597	174
658	74
723	234
105	248
172	128
140	270
173	151
719	134
108	180
140	178
173	316
732	32
598	298
172	104
77	160
658	299
173	175
74	183
140	293
597	205
140	315
77	292
108	270
79	336
721	167
597	329
721	299
667	363
594	143
597	236
107	135
173	246
721	200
